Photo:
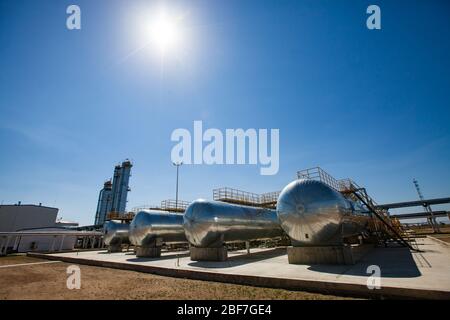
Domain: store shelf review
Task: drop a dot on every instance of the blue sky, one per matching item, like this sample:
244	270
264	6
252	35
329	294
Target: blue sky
369	105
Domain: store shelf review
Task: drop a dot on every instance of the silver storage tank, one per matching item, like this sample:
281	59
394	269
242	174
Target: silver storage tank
210	224
314	214
115	233
151	228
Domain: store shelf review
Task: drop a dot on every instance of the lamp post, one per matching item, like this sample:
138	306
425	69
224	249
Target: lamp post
177	164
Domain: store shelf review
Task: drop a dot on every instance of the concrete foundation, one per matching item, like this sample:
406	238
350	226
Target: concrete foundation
148	252
208	254
115	248
321	255
405	274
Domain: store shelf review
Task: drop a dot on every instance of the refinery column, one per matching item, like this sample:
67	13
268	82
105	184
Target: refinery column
104	202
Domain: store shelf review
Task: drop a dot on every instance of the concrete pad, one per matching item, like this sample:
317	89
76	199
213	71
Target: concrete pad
404	274
148	252
208	254
321	255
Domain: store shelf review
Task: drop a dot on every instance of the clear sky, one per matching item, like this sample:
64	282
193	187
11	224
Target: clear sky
370	105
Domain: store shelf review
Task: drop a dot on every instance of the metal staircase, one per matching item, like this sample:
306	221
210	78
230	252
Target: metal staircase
384	228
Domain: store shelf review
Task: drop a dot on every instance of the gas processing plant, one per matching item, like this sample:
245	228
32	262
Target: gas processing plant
324	220
317	234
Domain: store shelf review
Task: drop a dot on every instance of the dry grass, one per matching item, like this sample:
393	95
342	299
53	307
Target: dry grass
48	281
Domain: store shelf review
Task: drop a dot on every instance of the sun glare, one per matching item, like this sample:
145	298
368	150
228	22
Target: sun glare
164	32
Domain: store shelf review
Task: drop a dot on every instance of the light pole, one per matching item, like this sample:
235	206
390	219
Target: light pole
177	164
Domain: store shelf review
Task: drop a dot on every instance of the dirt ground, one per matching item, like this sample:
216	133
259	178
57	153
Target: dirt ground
48	281
425	230
443	237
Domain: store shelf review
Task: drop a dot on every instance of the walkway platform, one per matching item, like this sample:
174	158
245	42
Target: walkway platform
404	274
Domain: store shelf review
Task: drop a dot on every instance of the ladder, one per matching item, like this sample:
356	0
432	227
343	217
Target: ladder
388	229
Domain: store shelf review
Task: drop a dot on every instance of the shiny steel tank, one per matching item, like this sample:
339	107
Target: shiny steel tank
115	233
152	227
312	213
209	224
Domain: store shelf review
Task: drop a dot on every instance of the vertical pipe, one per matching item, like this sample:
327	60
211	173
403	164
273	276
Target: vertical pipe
52	248
1	245
62	242
176	200
6	245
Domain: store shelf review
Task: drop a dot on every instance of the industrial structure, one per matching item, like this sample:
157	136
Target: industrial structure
314	220
321	217
115	234
16	217
28	227
151	229
321	222
210	224
104	203
112	199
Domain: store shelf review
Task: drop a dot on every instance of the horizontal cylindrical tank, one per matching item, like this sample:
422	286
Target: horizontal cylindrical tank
151	228
212	223
115	233
314	214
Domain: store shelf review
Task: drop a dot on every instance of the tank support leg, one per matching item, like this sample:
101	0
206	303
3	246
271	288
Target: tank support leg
208	254
115	248
321	255
148	252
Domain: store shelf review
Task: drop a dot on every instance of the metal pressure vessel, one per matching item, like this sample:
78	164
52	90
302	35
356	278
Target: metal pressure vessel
151	228
115	233
210	224
314	214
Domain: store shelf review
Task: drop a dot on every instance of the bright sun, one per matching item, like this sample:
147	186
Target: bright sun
164	32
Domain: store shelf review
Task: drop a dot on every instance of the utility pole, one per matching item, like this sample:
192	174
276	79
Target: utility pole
177	164
427	208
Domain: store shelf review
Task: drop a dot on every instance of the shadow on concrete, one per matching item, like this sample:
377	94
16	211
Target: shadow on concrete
164	257
240	259
396	262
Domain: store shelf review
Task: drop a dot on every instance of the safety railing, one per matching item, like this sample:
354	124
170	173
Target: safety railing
120	216
239	196
317	173
269	197
174	205
236	196
145	207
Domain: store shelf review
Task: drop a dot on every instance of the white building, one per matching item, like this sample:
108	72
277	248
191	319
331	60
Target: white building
30	227
26	216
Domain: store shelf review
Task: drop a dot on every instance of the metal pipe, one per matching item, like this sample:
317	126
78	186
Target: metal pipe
177	164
